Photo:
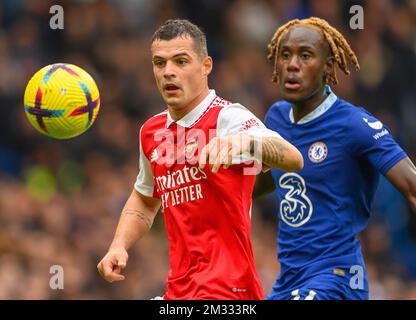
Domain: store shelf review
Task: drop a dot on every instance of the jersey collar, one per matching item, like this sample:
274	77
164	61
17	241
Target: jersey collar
320	110
195	114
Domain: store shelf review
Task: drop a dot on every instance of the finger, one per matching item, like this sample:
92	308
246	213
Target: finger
229	160
216	157
112	272
229	156
121	262
214	150
100	268
107	268
213	153
203	156
234	151
114	277
117	269
216	163
222	155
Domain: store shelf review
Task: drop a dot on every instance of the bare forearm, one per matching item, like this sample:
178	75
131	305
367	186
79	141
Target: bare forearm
411	195
403	177
129	230
135	220
278	153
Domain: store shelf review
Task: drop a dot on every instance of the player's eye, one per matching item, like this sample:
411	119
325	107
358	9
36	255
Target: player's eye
284	55
305	55
182	62
159	63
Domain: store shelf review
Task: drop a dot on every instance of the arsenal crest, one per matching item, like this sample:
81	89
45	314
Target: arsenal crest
191	145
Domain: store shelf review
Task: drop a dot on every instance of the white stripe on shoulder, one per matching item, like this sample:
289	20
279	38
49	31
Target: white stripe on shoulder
159	114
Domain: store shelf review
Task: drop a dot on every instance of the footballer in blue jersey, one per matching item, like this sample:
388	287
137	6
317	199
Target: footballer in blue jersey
324	206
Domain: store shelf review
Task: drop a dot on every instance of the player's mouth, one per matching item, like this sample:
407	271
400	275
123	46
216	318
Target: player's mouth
292	83
171	88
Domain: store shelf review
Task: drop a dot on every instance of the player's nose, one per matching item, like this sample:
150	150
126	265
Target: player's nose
293	63
169	70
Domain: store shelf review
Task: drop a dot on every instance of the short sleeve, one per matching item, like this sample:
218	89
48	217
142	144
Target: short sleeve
235	118
144	181
368	137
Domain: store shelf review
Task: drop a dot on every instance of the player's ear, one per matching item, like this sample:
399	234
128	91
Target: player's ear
329	66
207	65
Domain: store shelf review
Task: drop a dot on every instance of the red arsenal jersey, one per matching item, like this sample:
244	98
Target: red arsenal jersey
207	215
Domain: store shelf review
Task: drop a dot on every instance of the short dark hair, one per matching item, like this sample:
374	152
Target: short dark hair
174	28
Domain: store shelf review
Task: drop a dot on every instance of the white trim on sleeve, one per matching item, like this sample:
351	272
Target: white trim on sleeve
144	181
236	118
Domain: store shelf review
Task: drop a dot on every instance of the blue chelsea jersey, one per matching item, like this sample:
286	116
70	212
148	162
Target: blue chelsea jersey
323	207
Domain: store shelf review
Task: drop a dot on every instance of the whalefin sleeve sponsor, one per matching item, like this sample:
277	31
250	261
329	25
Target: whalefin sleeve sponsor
366	136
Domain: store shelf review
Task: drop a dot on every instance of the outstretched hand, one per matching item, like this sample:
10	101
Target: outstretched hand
221	150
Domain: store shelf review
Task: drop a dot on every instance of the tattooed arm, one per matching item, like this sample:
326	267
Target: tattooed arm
238	132
277	153
274	152
135	220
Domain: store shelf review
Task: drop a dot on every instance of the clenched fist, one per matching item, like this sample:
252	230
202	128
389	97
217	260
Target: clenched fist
111	265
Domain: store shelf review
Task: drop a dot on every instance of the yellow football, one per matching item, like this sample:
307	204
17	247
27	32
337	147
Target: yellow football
61	101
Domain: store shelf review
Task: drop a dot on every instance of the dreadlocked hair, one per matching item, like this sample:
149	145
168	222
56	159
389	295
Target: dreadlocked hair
338	45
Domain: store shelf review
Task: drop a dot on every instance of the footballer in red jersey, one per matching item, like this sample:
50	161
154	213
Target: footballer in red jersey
193	162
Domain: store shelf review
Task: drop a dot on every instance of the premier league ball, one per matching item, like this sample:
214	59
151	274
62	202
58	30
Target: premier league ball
61	101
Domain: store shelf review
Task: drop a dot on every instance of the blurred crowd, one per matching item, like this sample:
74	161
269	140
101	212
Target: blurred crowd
60	200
